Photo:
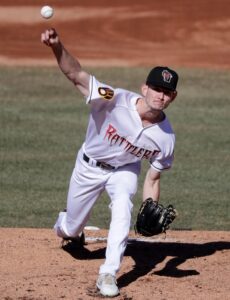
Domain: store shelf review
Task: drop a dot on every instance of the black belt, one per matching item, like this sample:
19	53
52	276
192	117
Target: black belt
100	164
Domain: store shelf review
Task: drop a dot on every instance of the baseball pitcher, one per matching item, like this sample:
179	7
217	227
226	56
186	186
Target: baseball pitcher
123	129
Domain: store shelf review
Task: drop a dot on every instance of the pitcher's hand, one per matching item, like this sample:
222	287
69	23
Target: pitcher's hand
50	37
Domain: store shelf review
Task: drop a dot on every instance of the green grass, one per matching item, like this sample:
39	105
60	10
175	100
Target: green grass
43	121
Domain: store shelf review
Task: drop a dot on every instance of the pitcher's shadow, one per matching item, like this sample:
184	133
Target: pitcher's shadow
147	255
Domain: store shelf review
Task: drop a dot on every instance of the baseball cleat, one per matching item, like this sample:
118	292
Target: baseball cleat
76	241
107	285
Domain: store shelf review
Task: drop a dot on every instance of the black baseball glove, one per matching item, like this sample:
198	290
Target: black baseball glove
154	218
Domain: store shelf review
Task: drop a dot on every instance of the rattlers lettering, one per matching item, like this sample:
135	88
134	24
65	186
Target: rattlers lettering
114	138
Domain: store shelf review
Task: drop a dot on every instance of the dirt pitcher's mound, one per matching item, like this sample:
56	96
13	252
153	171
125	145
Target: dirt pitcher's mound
184	265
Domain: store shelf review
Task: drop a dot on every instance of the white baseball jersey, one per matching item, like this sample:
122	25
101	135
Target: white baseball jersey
115	133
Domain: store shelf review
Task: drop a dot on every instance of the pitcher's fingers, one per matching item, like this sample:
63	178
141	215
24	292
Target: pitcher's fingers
44	39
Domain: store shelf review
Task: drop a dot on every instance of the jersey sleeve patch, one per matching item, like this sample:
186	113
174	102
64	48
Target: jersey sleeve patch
106	93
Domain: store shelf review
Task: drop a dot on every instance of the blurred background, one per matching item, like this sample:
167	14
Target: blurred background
43	118
122	32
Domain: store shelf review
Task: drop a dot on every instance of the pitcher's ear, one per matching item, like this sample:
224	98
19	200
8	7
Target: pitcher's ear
174	96
144	89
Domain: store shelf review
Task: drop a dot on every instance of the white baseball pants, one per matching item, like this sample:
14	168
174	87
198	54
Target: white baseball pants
86	185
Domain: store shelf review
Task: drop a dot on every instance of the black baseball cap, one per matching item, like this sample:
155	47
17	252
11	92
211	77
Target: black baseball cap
163	77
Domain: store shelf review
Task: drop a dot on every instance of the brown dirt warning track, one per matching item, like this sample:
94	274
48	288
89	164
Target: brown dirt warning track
127	32
185	264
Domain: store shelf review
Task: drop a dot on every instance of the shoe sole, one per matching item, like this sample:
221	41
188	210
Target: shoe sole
107	294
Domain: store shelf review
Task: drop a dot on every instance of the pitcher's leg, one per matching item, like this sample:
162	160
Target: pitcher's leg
121	188
84	189
71	222
118	235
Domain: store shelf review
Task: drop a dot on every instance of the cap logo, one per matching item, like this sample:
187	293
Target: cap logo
167	76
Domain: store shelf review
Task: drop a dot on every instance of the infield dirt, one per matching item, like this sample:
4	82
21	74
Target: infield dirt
185	265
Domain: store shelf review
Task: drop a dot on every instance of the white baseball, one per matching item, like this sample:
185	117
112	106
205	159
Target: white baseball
47	12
